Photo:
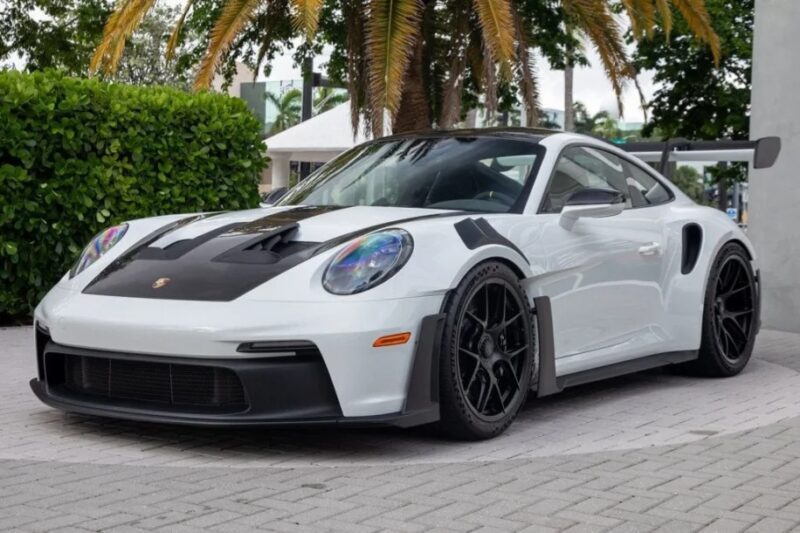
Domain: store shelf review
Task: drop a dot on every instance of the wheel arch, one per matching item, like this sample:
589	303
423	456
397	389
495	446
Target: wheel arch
729	238
510	264
743	244
493	252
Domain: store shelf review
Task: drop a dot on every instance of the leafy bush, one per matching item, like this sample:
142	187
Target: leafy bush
79	155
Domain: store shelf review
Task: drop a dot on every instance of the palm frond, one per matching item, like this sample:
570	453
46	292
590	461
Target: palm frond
642	14
172	43
642	99
526	76
699	21
120	25
328	98
596	21
391	31
306	16
235	15
636	27
495	18
271	24
665	12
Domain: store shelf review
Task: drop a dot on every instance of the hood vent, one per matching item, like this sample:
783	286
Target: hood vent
268	248
178	249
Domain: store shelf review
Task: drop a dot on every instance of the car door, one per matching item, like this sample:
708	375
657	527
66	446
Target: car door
604	276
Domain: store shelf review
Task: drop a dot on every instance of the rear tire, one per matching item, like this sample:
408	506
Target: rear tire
488	350
730	315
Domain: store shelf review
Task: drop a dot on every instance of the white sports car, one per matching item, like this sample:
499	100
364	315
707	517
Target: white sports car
414	279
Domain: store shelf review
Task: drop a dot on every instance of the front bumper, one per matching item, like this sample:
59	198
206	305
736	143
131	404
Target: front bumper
278	390
368	381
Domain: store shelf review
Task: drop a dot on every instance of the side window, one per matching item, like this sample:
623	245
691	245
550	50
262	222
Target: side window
582	167
643	189
516	167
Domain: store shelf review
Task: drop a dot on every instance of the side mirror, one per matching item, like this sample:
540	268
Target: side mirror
591	203
268	199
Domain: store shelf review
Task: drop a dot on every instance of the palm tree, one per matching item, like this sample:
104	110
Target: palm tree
573	50
606	126
569	97
327	98
389	43
584	122
288	107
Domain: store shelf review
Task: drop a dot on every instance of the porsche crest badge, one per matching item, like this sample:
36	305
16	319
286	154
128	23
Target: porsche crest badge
160	282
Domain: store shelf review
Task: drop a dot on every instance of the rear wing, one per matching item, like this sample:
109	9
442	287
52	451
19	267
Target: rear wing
762	153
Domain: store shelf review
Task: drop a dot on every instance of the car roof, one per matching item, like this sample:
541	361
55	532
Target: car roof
532	134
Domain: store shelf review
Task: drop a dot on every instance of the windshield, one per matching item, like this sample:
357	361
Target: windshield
486	174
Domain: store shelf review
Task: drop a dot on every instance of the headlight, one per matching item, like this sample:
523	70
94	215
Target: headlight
368	261
100	244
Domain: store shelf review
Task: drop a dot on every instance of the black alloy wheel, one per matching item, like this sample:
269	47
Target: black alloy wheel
491	348
730	315
734	308
488	353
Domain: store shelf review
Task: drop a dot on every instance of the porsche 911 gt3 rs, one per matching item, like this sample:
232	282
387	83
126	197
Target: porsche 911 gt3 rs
428	278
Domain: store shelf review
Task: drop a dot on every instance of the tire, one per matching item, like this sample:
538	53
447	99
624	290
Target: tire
488	352
730	315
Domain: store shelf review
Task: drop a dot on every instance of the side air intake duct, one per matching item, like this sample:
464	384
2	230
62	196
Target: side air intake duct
692	242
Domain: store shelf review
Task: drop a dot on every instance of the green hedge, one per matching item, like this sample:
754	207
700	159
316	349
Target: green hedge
79	155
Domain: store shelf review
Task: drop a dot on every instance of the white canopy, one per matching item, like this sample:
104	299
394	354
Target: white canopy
317	140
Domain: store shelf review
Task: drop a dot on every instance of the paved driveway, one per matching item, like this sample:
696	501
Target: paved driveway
637	453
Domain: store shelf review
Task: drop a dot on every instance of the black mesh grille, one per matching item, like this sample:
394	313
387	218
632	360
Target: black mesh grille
143	381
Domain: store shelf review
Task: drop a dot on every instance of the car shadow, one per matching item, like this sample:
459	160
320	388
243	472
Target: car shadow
297	446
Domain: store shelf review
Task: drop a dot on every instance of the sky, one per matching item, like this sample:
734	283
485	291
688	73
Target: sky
590	86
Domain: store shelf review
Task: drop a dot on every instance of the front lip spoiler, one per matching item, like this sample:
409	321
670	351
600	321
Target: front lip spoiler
71	405
421	406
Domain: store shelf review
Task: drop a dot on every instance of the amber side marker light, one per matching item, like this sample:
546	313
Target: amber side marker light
392	340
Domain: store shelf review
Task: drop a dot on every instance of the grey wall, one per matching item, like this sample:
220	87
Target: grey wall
775	193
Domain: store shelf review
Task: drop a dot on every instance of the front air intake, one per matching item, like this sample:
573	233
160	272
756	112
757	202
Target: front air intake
145	382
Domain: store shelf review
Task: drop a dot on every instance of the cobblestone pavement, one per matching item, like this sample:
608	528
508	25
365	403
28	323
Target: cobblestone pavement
646	452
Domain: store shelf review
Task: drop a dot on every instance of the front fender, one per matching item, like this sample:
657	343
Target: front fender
438	263
492	252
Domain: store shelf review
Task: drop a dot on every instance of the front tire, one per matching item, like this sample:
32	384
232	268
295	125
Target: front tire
487	353
730	315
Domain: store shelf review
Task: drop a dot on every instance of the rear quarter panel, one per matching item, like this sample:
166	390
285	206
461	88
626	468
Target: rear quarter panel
686	293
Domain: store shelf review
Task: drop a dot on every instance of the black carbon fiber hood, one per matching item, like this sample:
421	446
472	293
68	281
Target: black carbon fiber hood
222	263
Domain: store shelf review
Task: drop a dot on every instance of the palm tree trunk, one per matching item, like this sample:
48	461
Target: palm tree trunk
569	103
722	187
414	111
722	200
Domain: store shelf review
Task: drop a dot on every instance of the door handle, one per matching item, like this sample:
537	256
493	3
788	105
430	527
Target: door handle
652	248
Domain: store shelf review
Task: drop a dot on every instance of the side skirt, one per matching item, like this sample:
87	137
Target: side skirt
548	383
626	367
